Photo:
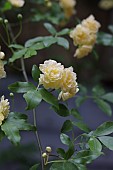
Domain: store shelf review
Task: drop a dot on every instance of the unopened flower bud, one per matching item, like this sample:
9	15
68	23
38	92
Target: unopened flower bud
11	94
19	16
48	149
49	4
2	55
5	21
44	155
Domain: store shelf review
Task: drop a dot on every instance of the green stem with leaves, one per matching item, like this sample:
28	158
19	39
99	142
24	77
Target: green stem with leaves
26	79
55	161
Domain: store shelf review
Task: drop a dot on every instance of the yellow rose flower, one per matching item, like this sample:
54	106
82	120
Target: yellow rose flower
66	95
91	24
81	35
17	3
4	109
83	51
52	74
2	72
68	7
69	85
84	36
106	4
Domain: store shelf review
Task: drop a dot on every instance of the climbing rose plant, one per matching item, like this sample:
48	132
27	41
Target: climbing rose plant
54	83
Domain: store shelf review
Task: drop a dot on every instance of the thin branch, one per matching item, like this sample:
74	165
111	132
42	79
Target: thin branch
19	32
23	69
3	40
38	139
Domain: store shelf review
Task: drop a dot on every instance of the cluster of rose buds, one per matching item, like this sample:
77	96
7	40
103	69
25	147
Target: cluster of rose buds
46	154
84	36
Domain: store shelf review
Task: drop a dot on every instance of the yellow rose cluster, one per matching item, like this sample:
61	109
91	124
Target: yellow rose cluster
69	85
55	76
68	7
84	36
2	72
4	109
17	3
106	4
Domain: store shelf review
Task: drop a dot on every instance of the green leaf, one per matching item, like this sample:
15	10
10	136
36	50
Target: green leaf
38	46
49	97
35	73
13	124
34	167
17	46
70	151
50	28
21	87
104	106
7	6
85	157
76	114
67	126
82	126
94	144
30	52
82	89
105	129
98	91
62	110
18	54
79	100
81	167
33	41
63	42
65	139
110	27
48	41
64	31
63	166
38	17
33	99
107	141
108	97
105	39
61	152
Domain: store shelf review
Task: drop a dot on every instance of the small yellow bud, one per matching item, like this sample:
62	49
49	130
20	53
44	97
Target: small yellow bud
44	155
49	4
2	55
11	94
5	21
19	16
48	149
